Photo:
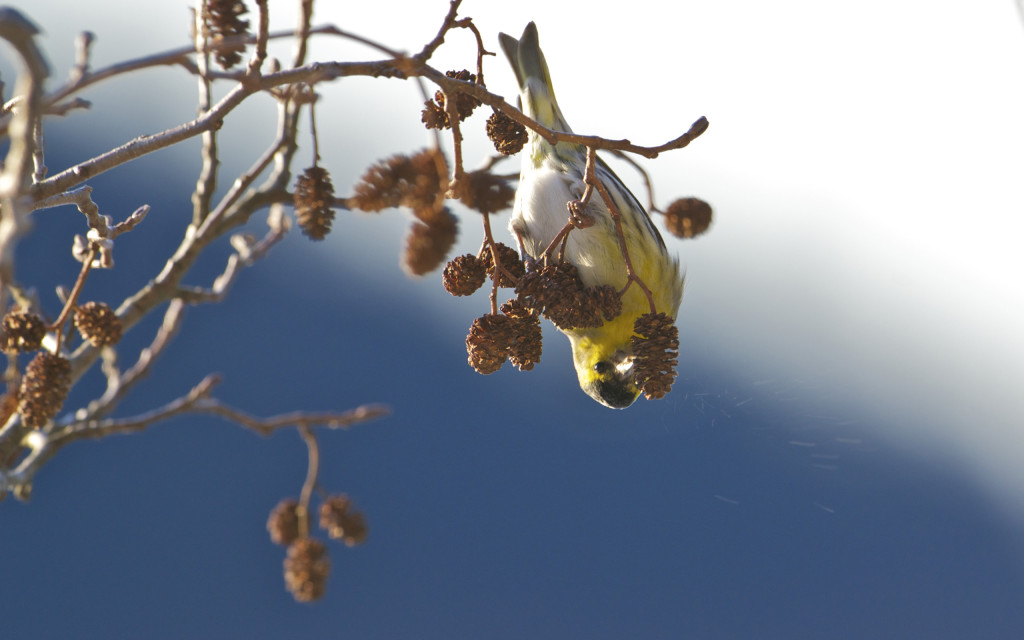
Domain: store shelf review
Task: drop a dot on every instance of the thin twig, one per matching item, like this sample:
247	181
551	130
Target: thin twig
246	180
467	23
130	222
590	177
206	183
644	175
198	401
449	20
213	118
451	109
118	387
262	36
302	32
83	52
44	446
246	255
312	128
550	135
179	56
58	325
16	174
492	247
559	239
312	471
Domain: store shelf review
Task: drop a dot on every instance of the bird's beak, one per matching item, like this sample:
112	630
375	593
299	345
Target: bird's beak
623	363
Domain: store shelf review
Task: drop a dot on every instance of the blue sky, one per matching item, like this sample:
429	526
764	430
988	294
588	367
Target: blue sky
839	457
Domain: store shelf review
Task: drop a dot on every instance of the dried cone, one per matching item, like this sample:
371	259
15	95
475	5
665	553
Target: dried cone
688	217
283	523
44	387
533	288
435	113
427	245
509	137
525	348
313	196
512	267
463	275
488	342
485	192
21	331
605	300
341	521
424	188
412	181
98	324
656	353
306	569
557	291
224	20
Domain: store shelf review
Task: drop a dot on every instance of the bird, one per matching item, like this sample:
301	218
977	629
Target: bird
551	176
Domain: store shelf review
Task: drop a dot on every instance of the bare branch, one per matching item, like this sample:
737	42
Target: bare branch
266	426
246	255
130	222
449	21
551	136
262	35
118	387
212	119
180	56
198	401
83	51
302	32
16	176
206	183
42	447
58	324
312	471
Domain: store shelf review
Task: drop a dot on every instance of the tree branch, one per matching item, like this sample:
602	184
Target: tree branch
42	447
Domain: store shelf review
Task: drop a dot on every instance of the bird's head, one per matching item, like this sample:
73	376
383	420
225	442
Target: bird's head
604	366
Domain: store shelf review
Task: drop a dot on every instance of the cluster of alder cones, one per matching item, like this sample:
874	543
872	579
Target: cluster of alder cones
46	380
306	565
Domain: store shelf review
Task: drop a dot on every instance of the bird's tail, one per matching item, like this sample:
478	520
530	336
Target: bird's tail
536	92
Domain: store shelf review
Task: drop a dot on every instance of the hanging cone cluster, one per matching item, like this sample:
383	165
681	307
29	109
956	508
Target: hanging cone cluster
435	113
514	335
557	292
656	353
525	346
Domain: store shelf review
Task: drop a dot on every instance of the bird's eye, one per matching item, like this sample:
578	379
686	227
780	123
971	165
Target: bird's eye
602	368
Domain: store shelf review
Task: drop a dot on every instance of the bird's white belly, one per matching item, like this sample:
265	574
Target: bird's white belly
541	211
